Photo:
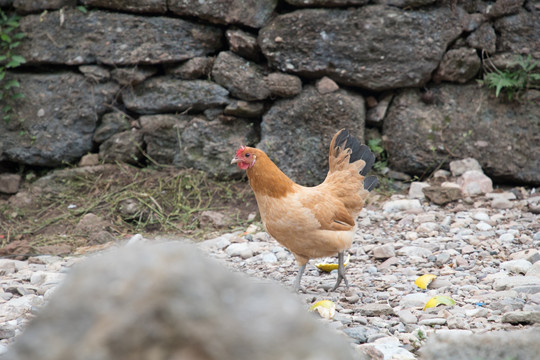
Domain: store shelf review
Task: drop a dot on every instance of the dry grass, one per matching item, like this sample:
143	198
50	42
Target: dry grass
130	200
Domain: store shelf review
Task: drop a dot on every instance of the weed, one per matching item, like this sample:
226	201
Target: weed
515	80
375	146
9	40
386	186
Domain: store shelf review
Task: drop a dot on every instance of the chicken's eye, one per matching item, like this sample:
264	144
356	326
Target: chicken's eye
248	155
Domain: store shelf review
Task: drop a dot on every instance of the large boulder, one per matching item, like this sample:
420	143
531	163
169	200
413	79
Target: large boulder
373	47
210	145
519	33
483	38
138	6
55	120
133	75
111	123
161	134
189	141
166	94
253	13
461	122
404	3
296	132
458	65
24	6
503	8
167	301
72	37
195	68
122	147
244	79
326	3
244	44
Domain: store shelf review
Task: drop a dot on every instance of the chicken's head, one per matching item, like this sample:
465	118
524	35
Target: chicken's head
244	158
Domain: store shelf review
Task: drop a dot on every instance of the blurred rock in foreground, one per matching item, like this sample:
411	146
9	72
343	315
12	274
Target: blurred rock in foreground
168	302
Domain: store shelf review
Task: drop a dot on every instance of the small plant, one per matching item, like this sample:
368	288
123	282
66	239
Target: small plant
377	149
9	40
518	78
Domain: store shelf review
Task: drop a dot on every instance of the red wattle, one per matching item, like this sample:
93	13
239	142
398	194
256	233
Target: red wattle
243	165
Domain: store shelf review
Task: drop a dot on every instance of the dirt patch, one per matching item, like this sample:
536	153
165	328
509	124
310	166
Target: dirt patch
75	207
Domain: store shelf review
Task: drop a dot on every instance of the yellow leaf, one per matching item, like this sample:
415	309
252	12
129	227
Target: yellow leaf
439	300
423	281
326	308
330	267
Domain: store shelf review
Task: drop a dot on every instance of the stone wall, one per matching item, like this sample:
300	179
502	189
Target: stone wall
185	83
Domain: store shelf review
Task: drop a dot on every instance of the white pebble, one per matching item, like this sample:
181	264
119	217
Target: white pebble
415	190
413	300
432	322
282	255
407	317
269	258
371	270
414	251
365	222
481	216
411	235
239	249
427	227
498	203
506	237
483	226
402	205
519	266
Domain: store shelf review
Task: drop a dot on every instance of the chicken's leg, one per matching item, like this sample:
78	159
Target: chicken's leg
301	269
341	271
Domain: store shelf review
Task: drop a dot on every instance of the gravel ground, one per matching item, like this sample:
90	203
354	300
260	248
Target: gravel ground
482	250
486	259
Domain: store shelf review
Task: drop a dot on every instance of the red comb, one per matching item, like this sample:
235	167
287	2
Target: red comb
240	150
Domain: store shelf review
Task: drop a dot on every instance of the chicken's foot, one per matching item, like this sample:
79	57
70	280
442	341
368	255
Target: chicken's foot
341	271
301	269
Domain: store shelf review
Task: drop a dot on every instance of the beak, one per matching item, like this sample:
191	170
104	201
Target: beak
235	160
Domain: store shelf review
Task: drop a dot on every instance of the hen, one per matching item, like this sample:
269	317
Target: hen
317	221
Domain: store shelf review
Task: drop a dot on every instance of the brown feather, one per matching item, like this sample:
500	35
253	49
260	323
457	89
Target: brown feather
266	178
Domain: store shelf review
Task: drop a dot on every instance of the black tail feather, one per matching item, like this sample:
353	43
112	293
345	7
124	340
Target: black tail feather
370	182
358	151
366	155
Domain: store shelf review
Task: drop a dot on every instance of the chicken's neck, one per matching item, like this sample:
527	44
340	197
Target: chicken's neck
267	179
